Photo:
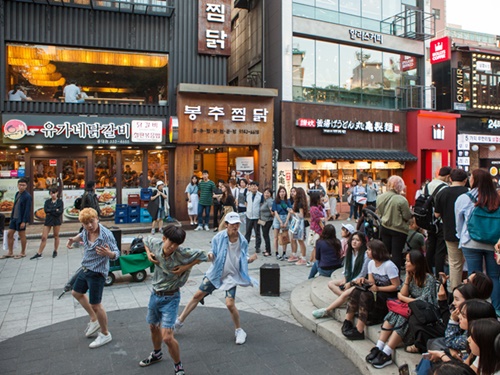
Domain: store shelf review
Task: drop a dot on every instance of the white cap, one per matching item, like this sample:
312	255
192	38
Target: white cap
232	218
159	183
349	228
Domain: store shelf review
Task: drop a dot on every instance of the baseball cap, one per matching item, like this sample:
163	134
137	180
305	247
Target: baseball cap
349	228
159	183
232	218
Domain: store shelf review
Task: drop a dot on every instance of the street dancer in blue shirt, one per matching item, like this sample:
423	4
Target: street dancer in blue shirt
99	247
229	269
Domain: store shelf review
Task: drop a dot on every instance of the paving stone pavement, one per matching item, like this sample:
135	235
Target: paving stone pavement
32	315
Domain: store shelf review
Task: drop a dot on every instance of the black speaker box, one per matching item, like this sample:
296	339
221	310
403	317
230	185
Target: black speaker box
270	280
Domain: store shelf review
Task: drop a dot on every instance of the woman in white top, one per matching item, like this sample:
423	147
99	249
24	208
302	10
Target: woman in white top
193	199
17	94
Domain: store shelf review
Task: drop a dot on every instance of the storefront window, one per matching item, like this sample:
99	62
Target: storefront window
105	169
158	166
103	76
333	73
132	168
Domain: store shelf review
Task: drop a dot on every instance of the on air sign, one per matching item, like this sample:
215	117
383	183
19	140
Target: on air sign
440	50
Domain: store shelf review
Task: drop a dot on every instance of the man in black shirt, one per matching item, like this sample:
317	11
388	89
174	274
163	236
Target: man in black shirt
445	208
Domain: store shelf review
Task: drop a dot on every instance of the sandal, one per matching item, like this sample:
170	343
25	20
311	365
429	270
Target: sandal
266	254
412	349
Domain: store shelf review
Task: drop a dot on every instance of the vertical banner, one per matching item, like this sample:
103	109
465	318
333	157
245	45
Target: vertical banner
284	175
214	27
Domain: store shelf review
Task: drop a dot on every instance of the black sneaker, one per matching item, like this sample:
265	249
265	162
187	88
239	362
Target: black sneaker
373	354
54	254
382	360
354	334
36	256
347	326
179	370
152	359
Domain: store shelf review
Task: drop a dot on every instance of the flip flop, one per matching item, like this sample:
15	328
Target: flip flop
6	256
19	256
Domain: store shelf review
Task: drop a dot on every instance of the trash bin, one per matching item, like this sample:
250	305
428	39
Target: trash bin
270	280
117	233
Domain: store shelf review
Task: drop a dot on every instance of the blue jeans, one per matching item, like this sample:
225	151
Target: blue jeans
353	211
474	259
317	269
203	209
163	309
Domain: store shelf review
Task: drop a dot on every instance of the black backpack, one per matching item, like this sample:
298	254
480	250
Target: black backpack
423	210
78	203
137	246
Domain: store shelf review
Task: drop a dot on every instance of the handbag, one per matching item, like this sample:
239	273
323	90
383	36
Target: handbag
424	312
261	222
283	238
398	307
294	225
311	238
190	205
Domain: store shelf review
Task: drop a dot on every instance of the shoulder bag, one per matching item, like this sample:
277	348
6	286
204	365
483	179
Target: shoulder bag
424	312
399	307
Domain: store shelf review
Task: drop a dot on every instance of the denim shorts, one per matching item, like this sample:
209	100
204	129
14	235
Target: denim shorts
90	281
16	225
276	223
206	286
163	309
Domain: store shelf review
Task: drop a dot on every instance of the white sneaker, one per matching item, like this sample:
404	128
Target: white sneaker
100	340
207	228
178	325
241	336
92	328
199	227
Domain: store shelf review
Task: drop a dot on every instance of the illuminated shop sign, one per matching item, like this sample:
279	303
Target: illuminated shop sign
440	50
330	126
366	36
236	114
214	27
458	98
28	129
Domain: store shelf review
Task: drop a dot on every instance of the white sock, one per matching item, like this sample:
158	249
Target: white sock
387	350
380	344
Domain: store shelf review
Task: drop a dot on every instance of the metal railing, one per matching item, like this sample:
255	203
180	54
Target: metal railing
417	97
115	109
411	23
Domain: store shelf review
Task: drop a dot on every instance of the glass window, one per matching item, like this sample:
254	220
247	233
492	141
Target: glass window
372	9
158	166
351	7
131	168
102	76
105	169
390	8
303	69
327	67
328	4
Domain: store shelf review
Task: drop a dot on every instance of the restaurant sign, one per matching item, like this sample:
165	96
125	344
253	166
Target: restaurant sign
214	27
330	126
29	129
440	50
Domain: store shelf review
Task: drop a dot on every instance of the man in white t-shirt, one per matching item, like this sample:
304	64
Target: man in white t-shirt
71	93
229	257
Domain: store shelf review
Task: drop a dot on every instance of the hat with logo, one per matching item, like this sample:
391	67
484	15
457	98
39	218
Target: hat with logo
349	228
232	218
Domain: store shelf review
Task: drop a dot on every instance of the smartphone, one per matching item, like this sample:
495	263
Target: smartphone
342	287
153	256
426	356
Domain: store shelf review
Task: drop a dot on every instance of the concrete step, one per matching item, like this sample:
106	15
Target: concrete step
314	294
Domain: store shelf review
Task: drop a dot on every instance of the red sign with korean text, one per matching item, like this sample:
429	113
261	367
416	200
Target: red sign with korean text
214	27
440	50
53	162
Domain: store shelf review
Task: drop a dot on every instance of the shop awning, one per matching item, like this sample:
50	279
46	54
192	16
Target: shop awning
353	154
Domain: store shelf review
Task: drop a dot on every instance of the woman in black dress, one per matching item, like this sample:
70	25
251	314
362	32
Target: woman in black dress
53	208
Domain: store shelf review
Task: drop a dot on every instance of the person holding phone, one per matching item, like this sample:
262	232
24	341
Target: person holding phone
99	247
173	266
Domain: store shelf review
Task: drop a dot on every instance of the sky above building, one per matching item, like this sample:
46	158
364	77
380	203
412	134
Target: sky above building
477	15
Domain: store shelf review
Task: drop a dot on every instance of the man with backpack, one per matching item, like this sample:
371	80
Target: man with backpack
445	209
436	246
